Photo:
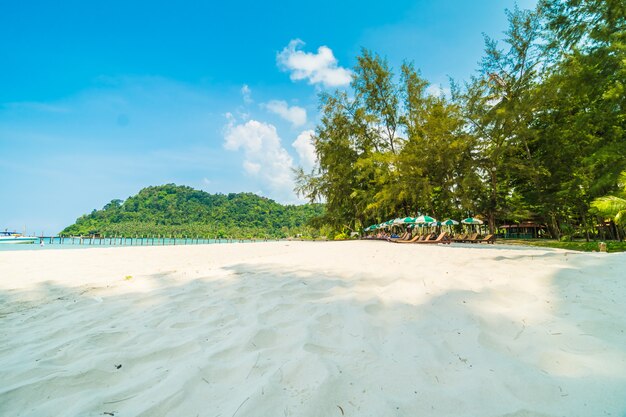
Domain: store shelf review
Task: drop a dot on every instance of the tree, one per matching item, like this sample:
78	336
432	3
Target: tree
498	106
356	144
613	206
537	133
579	121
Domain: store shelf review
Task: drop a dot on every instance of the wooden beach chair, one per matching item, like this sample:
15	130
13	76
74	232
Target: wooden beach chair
459	238
413	240
391	238
488	239
473	238
440	239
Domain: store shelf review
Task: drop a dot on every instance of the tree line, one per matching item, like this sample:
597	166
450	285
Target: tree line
537	133
179	211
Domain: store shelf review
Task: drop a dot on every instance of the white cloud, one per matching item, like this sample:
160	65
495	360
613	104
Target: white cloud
251	167
246	93
294	114
305	149
264	156
317	68
437	90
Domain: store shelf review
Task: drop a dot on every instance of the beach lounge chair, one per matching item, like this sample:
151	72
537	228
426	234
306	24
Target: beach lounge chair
440	239
399	239
488	239
473	238
459	238
413	240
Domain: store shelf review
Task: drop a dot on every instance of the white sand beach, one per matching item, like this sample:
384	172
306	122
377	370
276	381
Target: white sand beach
361	328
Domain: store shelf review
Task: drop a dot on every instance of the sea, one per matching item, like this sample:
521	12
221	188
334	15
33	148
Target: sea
47	243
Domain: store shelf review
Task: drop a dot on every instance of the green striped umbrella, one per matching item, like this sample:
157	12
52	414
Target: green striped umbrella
471	220
449	222
424	219
386	224
406	220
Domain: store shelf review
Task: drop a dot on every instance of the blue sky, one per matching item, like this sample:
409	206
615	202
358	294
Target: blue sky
98	100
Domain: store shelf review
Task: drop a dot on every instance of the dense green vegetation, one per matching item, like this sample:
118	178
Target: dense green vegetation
578	245
171	210
536	134
613	206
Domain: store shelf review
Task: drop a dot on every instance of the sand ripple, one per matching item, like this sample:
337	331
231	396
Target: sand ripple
355	329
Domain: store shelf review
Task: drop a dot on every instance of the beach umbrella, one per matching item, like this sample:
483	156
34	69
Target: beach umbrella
449	223
405	220
385	225
435	224
471	220
424	219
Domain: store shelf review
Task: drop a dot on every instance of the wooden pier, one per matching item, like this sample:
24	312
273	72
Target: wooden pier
107	241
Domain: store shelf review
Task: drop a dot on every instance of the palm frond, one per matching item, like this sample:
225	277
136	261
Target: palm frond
609	205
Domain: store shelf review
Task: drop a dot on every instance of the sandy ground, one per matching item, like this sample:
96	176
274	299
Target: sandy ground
312	329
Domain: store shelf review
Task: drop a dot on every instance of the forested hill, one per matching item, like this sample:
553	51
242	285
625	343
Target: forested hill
183	211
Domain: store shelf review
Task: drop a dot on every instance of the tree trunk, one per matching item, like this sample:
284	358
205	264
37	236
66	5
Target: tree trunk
406	208
492	223
553	227
586	226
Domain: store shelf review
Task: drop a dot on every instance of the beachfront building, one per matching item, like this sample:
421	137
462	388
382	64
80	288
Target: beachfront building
523	230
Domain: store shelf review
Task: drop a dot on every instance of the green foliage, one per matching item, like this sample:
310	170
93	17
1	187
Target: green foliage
342	236
171	210
537	134
613	206
577	245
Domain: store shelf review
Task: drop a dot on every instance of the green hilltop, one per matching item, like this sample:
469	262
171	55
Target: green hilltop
175	210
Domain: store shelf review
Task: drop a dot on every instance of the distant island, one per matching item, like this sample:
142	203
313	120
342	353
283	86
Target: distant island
176	210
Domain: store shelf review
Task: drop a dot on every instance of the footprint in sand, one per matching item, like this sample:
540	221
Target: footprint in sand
205	312
183	325
280	315
264	338
373	309
106	338
313	348
325	318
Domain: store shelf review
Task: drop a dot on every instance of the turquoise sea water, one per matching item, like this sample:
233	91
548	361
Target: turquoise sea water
78	243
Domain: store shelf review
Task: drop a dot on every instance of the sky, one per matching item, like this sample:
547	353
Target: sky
101	99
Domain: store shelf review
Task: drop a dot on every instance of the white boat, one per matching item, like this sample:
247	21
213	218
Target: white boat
13	237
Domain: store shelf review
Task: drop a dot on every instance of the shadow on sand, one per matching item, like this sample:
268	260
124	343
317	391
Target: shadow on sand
266	341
